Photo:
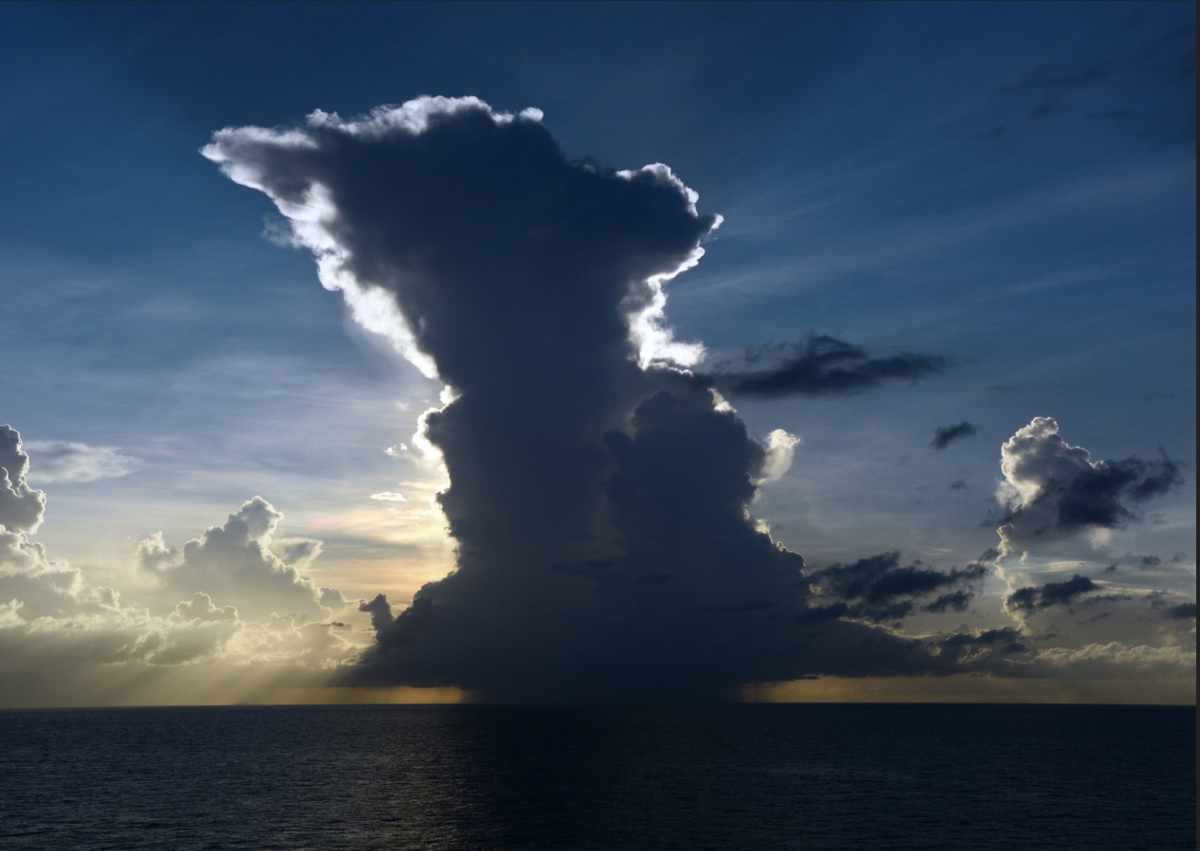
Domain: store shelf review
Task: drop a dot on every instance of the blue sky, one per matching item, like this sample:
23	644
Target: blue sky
1008	186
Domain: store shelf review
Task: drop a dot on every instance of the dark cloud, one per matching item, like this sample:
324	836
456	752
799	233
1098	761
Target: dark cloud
1183	611
956	601
1054	490
946	435
1148	562
1006	639
599	495
1050	594
823	366
878	589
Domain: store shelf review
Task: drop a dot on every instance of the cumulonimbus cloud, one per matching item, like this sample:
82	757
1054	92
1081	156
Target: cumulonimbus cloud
599	485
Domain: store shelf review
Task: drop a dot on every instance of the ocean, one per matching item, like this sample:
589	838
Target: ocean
740	776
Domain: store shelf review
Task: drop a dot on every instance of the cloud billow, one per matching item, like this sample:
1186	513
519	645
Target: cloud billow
21	507
1053	491
599	493
240	560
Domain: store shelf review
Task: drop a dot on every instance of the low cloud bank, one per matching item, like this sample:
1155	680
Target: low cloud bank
216	610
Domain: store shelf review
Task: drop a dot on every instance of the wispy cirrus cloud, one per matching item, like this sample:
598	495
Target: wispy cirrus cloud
68	461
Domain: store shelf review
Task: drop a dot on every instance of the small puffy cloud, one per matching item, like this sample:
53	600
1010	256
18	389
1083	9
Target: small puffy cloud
60	461
1053	491
21	507
389	496
780	450
239	563
946	435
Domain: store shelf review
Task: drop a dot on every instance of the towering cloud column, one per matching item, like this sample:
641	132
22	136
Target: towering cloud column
598	496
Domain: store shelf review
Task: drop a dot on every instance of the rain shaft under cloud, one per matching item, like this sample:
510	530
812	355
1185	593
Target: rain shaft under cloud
598	493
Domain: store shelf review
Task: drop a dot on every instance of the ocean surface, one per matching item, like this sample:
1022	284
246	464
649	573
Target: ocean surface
564	777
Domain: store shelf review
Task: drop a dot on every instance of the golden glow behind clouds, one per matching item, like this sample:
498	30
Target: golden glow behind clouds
965	688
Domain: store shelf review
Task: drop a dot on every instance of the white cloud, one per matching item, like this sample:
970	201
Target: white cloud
61	461
212	613
389	496
1121	654
240	564
21	507
781	448
1054	492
